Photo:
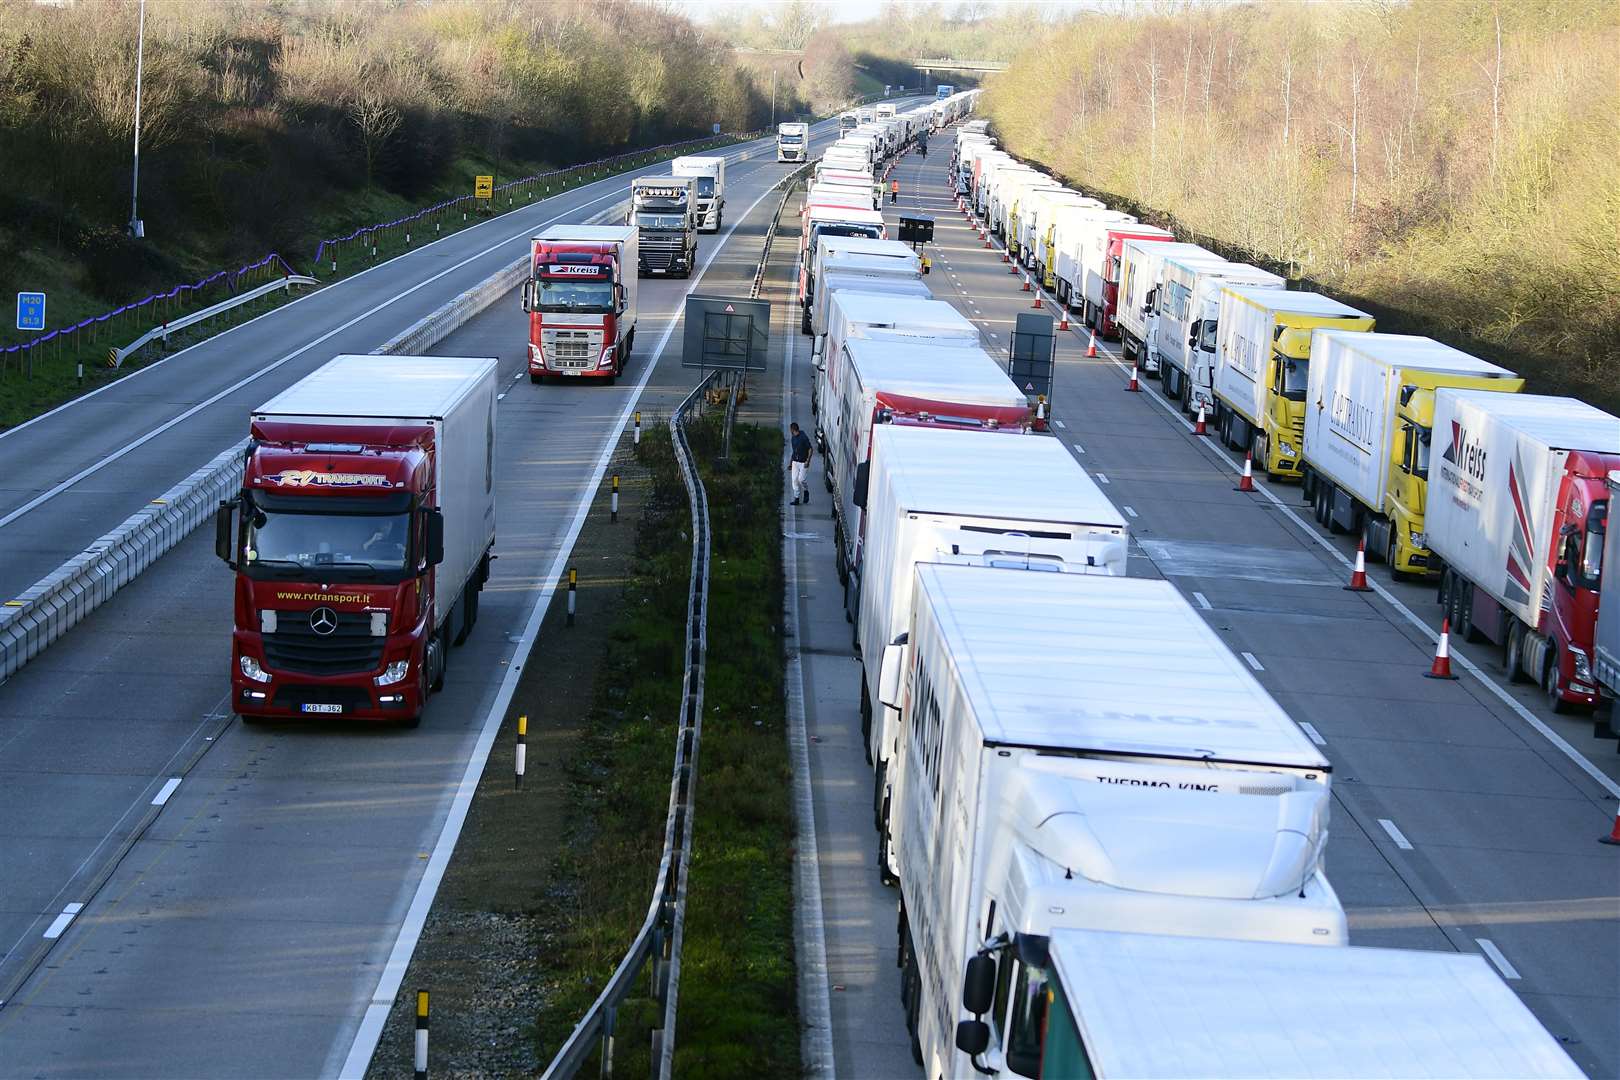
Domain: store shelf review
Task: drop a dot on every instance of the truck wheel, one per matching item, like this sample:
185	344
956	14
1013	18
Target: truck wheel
804	322
1514	660
1549	684
536	379
1392	557
866	718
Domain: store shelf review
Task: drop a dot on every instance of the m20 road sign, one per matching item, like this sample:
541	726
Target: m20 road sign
30	311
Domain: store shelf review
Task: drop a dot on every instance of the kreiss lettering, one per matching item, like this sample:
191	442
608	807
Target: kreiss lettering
1467	452
1354	421
574	270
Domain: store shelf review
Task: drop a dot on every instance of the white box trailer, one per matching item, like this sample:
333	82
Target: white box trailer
848	265
933	495
1141	270
1018	206
1035	219
1153	1007
1514	499
886	317
832	215
1056	763
1369	415
1188	305
710	175
1071	229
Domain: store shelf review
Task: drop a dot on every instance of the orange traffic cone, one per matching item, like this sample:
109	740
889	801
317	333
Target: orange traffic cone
1026	283
1012	267
1004	257
1246	481
1614	834
1091	349
1063	320
1441	668
1037	303
1358	576
1133	386
1199	428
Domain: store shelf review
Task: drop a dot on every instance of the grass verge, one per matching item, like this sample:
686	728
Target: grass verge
737	997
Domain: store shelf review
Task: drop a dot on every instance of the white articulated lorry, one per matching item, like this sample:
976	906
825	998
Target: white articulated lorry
1188	306
709	174
885	317
938	383
933	495
863	264
1091	1003
1056	768
1141	270
1369	419
792	142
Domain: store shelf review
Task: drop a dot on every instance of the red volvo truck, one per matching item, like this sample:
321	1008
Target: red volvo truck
361	537
1517	507
581	300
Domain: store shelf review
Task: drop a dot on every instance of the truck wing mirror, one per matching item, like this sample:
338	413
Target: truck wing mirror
973	1037
435	537
894	657
619	297
979	985
863	473
225	532
528	294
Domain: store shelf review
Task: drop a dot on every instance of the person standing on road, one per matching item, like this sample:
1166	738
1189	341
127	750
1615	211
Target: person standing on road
802	453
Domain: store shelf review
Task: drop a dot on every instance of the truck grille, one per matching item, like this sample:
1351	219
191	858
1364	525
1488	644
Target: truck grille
295	646
570	349
662	254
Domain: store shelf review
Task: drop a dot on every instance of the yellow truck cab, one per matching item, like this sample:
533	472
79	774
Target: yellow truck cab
1262	362
1369	415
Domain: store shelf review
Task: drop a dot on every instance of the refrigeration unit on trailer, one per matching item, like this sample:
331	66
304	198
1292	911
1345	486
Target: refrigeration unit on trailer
933	495
920	383
852	314
1079	751
663	210
1094	1003
1188	307
1262	356
1517	502
1369	416
864	265
709	174
361	537
792	142
581	301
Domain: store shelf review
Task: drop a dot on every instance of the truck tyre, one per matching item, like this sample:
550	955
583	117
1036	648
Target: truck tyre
536	379
839	565
804	322
1514	658
866	718
1549	684
437	658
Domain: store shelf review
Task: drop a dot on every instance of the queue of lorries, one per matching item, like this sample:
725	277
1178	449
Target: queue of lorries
1108	864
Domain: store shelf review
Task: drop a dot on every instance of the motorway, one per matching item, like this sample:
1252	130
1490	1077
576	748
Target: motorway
1466	814
237	923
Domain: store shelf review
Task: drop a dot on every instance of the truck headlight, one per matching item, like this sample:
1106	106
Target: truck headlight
607	358
393	673
251	669
1583	664
1419	540
1286	448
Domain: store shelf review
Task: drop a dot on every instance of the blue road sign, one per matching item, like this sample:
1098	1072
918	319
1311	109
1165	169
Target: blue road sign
30	311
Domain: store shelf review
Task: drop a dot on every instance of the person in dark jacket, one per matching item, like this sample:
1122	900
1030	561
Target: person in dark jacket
802	453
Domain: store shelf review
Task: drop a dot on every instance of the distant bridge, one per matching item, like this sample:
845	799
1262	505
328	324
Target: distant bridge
944	63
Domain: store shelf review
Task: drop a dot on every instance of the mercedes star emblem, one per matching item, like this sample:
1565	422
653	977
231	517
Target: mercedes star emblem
323	620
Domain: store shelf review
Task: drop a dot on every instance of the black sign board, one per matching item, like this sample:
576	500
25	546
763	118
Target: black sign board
916	229
1029	362
726	333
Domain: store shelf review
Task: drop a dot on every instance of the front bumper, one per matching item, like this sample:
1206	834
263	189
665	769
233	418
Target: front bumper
295	695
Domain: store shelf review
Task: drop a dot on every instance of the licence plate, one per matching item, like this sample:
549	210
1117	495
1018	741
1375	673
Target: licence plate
322	708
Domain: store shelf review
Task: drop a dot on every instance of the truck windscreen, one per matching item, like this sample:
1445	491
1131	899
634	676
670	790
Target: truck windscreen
790	140
367	545
660	221
705	187
573	294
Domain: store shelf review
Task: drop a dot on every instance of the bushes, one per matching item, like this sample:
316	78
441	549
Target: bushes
1449	166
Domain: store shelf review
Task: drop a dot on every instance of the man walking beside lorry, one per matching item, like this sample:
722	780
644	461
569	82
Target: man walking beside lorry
802	453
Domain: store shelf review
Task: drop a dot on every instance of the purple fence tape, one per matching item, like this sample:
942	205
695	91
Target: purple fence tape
178	290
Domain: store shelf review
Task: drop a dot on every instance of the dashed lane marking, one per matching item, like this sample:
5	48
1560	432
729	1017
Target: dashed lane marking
1396	835
1253	661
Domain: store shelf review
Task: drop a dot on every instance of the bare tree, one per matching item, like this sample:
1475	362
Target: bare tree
1151	76
1494	74
375	119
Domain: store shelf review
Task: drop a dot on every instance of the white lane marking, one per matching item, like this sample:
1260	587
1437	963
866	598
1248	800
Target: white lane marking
410	930
1492	953
60	924
1314	735
1559	743
1203	601
165	791
92	469
1253	661
1395	834
1079	449
1061	425
1102	478
1129	512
